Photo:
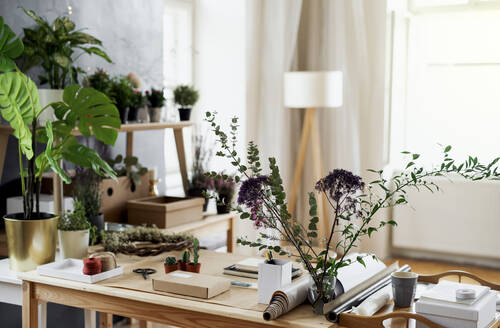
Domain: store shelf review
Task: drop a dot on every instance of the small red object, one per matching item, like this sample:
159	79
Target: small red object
92	266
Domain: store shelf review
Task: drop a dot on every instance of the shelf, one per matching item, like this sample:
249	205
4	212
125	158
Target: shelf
7	129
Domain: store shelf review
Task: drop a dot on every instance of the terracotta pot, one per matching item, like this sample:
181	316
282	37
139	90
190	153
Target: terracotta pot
170	268
191	267
182	265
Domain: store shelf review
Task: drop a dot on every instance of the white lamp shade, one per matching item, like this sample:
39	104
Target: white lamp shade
313	89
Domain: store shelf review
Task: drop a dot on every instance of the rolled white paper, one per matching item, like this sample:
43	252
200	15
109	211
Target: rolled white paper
374	303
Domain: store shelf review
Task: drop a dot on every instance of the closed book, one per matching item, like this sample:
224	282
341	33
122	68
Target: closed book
249	264
446	291
456	315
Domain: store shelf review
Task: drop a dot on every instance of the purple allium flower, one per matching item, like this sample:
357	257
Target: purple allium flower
250	189
341	183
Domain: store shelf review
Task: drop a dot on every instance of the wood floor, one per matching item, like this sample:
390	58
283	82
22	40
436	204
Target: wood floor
419	266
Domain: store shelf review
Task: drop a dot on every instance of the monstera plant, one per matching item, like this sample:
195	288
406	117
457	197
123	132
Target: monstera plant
89	110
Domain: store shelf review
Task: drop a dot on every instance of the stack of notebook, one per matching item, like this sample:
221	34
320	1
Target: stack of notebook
440	305
249	268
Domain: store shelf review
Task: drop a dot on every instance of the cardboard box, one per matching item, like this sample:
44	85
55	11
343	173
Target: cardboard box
192	284
165	211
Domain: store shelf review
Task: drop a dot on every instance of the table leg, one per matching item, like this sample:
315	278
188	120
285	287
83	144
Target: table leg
230	237
181	154
130	144
145	324
30	306
90	318
42	314
105	320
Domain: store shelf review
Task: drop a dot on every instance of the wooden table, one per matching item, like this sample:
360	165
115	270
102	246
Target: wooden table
157	308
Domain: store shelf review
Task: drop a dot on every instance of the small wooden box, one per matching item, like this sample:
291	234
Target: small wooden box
115	195
165	211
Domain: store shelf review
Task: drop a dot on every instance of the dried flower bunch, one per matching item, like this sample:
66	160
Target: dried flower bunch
355	203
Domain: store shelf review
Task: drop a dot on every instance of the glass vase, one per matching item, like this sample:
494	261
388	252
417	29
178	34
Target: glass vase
329	294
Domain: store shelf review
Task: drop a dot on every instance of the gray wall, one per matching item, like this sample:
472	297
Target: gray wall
132	35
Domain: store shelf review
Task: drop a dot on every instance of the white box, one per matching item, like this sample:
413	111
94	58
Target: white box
455	315
272	277
15	204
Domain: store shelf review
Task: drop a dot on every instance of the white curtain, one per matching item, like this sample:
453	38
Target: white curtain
311	35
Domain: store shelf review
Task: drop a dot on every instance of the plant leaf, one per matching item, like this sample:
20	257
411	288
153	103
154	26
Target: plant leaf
93	110
86	157
53	162
97	51
20	104
10	47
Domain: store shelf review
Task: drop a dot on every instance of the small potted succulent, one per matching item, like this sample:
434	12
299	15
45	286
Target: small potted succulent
195	265
224	188
121	91
74	231
170	264
156	101
184	261
185	96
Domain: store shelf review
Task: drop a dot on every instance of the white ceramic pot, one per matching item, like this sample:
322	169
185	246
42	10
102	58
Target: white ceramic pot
142	115
47	96
74	244
155	114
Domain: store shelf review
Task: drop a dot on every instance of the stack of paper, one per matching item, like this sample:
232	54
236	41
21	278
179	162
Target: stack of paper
249	268
439	304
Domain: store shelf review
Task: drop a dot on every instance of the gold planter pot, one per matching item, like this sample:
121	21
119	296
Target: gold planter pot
31	242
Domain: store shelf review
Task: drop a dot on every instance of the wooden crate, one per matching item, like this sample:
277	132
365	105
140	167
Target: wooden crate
165	211
115	195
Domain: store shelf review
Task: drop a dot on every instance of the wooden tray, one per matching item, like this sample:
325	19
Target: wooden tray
401	316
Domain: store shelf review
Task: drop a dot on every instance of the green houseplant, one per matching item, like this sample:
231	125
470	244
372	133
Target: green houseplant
186	97
74	231
138	102
156	99
224	187
86	190
88	109
128	166
100	80
54	46
121	91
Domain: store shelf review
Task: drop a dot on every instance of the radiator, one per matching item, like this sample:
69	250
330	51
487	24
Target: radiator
461	220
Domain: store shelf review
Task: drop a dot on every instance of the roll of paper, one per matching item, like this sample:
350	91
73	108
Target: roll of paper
373	303
287	298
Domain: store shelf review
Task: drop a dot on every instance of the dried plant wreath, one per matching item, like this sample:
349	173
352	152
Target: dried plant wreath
144	241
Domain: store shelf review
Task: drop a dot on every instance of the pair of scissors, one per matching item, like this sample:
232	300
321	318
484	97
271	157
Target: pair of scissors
145	272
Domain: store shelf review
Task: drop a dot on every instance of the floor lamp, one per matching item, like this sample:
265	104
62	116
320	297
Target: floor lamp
311	90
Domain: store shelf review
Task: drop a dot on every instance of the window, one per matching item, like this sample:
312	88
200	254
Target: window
177	69
446	78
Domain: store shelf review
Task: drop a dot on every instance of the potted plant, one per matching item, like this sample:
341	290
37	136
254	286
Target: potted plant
86	108
100	80
86	190
185	96
156	99
74	230
198	184
170	264
224	188
138	111
184	261
195	265
53	48
121	91
128	166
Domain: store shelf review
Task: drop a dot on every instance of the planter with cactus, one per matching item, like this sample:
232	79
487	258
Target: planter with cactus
170	264
184	261
195	265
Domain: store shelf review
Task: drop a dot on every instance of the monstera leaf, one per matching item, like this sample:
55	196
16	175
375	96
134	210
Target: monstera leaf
10	47
89	158
53	160
93	110
20	104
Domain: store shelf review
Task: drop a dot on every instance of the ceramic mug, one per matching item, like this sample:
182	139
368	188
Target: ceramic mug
404	285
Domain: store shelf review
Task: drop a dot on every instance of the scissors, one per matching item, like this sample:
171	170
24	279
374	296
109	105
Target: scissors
145	272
